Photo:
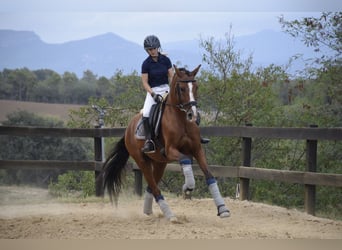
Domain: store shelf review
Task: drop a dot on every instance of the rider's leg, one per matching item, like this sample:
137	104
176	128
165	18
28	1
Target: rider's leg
198	121
149	146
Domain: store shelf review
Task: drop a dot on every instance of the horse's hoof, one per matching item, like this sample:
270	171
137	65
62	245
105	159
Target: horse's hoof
173	219
225	214
187	195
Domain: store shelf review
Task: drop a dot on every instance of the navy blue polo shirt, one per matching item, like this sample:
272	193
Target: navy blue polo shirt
157	71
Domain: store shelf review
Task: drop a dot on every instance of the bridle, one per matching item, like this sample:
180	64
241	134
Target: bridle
185	107
189	108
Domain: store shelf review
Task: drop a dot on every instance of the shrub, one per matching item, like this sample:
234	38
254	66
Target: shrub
73	183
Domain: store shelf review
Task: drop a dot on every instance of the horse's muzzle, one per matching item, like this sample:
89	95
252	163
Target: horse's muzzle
190	109
191	114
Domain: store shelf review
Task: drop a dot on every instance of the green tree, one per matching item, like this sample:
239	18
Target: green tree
235	95
321	33
48	87
89	76
232	94
69	82
5	86
104	89
324	93
129	92
21	82
85	88
128	100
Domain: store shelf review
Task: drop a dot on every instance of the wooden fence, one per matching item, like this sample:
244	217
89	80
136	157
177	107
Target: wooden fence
309	178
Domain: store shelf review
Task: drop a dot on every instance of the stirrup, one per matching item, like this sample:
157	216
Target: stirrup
205	140
149	147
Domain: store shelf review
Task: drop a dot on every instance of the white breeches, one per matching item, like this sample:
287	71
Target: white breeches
161	90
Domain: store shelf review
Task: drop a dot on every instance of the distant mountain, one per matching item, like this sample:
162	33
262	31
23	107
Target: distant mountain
104	54
274	47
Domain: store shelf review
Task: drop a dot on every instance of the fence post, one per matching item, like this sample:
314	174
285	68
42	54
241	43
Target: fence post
98	144
246	158
99	151
311	166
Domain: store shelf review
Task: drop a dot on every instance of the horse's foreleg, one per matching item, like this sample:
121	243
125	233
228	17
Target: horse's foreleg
185	161
164	207
189	183
222	210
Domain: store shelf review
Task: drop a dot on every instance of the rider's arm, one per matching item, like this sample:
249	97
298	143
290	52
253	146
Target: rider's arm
144	78
170	74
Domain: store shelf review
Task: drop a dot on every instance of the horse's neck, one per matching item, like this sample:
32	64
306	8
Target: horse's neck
172	97
175	115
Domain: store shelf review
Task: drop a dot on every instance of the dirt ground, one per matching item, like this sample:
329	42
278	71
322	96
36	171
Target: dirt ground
29	213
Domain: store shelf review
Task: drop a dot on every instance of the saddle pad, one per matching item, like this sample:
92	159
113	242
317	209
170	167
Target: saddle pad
154	120
140	131
156	113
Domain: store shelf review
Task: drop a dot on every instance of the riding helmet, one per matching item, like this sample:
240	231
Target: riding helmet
151	42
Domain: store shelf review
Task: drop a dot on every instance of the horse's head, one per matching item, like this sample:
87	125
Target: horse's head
184	91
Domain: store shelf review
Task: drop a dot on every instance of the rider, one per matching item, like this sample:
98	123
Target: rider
156	73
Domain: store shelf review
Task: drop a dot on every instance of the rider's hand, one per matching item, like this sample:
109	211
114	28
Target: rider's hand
156	97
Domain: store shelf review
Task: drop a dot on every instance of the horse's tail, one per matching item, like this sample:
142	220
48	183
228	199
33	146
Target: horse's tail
113	167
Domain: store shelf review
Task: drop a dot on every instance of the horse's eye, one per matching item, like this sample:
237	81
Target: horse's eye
182	89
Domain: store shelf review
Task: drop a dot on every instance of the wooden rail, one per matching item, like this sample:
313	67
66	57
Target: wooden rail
311	133
309	178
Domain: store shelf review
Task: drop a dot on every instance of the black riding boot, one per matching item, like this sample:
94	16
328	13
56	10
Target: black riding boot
204	140
149	146
198	121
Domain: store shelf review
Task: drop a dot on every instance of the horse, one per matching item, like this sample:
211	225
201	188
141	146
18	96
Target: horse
179	140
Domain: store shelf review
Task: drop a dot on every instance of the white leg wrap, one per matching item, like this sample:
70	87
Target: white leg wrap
215	193
222	211
189	177
164	207
148	203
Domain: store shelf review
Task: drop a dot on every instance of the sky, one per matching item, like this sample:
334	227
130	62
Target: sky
67	20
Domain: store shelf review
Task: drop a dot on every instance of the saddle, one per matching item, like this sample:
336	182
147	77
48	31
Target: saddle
156	114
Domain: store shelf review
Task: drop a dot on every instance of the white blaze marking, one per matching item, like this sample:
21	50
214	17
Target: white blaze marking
190	92
192	99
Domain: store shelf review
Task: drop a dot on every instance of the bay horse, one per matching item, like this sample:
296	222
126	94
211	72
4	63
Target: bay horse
179	140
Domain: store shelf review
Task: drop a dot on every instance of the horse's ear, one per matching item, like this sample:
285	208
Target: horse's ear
195	71
176	70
